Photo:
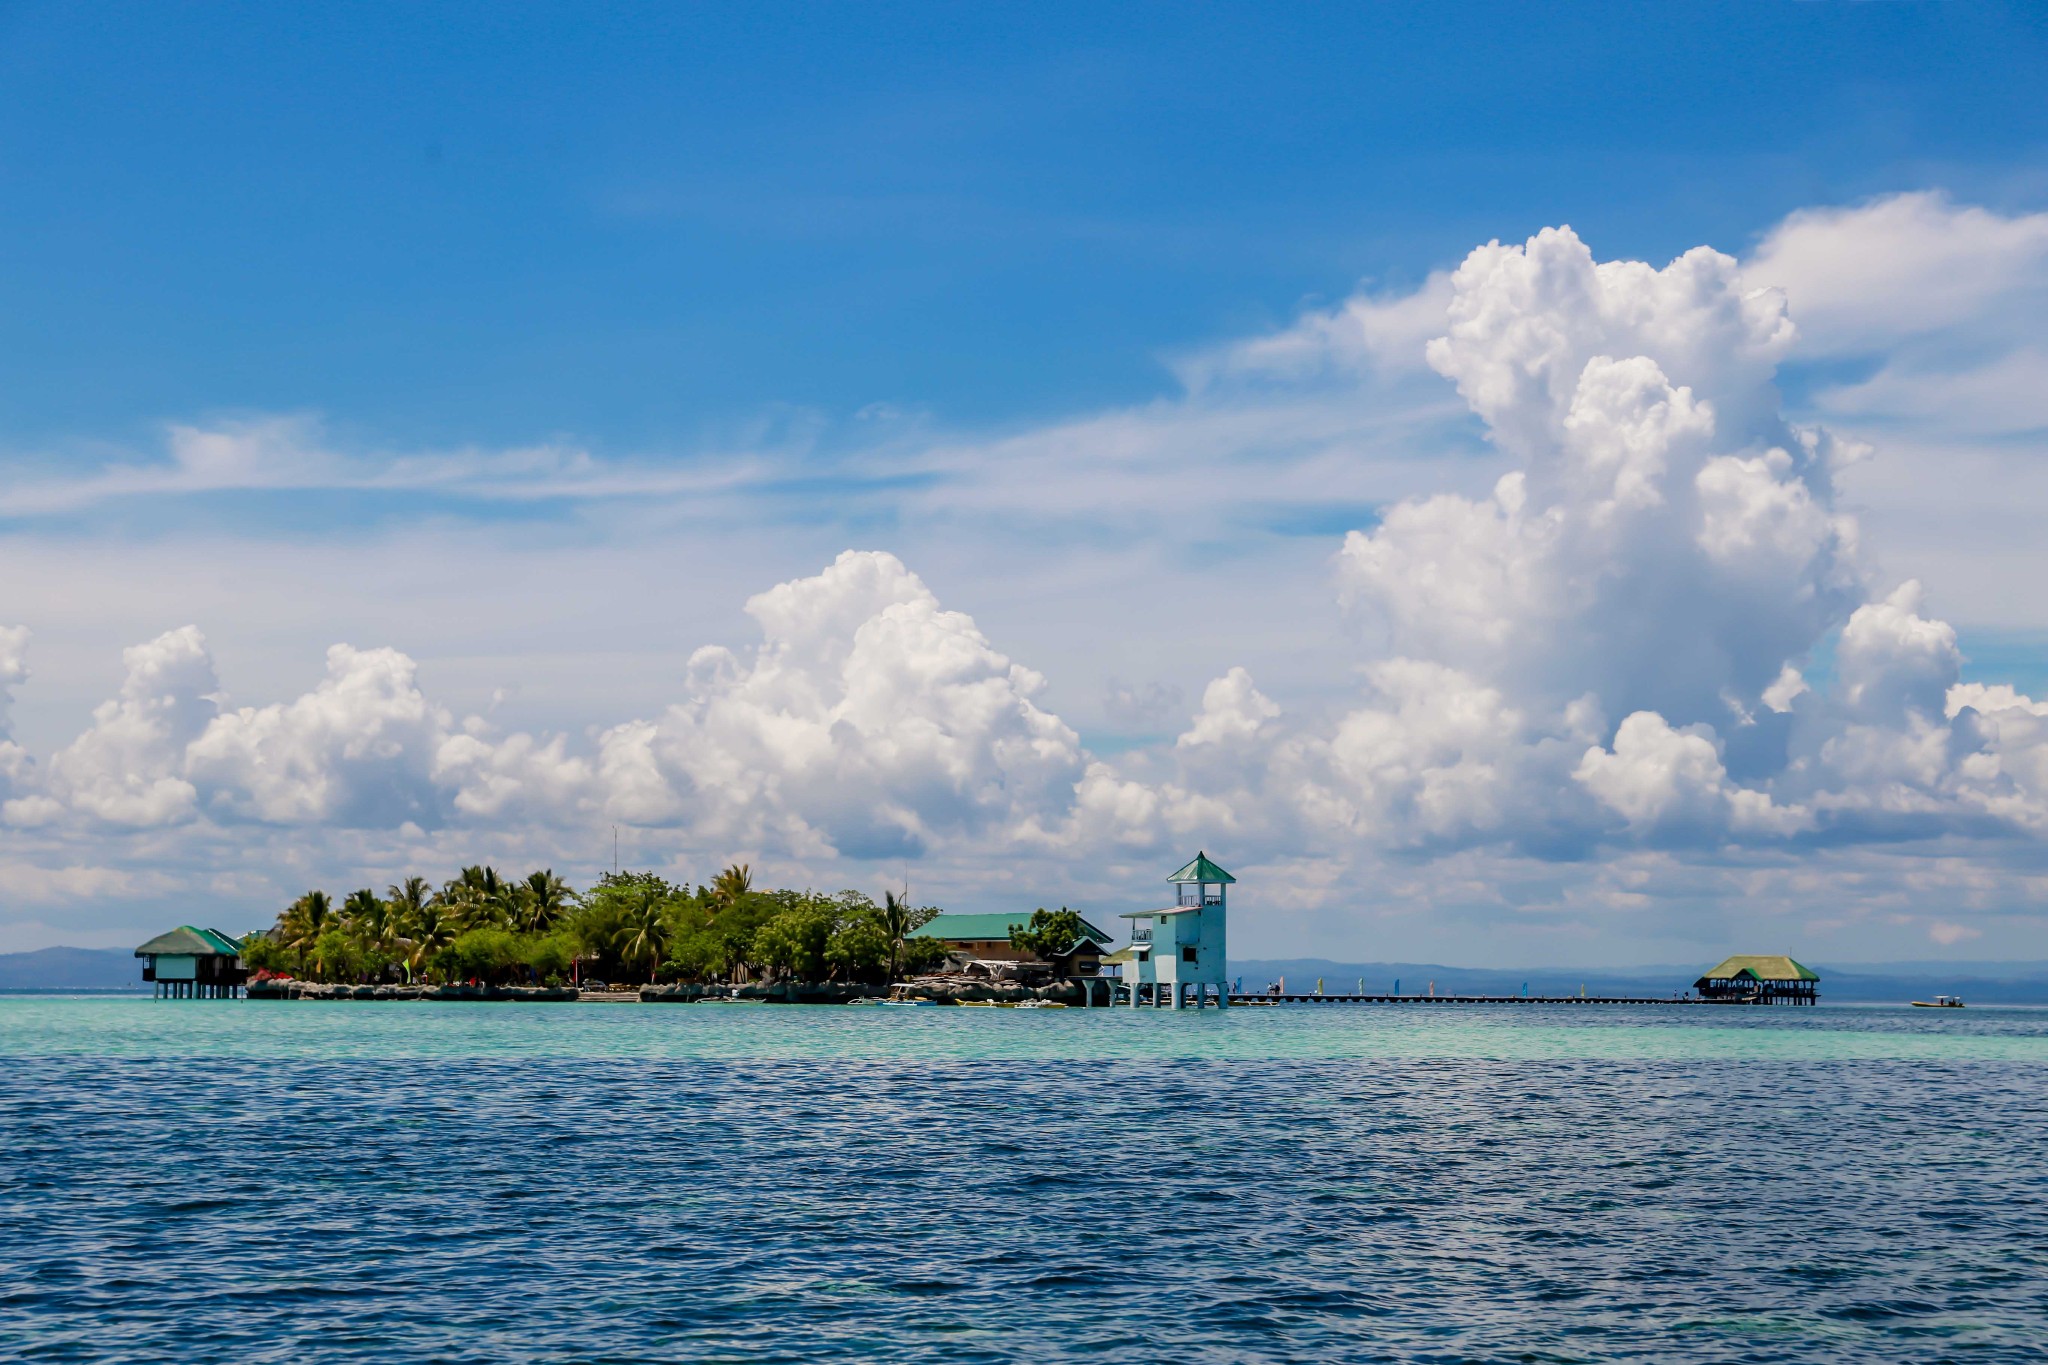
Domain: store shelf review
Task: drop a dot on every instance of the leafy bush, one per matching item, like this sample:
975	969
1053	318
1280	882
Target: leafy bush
262	952
1050	933
487	954
337	957
794	942
858	949
549	958
922	955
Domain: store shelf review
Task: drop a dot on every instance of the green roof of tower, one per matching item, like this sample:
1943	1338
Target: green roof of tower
1201	870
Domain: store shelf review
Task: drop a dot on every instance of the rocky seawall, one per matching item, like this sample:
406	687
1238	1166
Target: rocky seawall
940	990
960	990
315	990
946	990
772	993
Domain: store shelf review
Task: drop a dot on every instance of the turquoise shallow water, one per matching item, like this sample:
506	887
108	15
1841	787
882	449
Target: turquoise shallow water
246	1181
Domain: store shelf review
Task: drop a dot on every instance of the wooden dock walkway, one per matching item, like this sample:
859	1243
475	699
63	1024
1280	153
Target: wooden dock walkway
1292	998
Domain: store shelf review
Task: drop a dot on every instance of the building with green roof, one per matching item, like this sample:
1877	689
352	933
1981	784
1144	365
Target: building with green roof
1749	979
986	938
193	964
1181	952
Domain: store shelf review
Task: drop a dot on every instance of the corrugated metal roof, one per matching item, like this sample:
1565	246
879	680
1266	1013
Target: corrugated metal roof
1162	914
186	941
1762	969
1201	870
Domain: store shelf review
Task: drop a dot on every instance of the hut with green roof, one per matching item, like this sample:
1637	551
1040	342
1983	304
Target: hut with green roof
193	964
986	938
1748	979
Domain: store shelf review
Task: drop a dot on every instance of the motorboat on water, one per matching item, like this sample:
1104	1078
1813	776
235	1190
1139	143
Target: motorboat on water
1940	1002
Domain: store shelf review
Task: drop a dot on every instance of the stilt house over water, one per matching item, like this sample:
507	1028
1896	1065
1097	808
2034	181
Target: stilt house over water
1181	952
1750	980
193	964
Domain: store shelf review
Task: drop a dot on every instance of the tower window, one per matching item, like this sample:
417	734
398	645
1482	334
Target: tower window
1187	955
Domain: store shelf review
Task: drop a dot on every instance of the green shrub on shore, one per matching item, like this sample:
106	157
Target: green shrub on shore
629	927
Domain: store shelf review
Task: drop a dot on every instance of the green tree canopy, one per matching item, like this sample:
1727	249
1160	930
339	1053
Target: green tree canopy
1050	933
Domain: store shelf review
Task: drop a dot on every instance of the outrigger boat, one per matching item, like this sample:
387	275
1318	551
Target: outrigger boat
1940	1002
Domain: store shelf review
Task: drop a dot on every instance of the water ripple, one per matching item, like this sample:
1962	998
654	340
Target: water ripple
1463	1202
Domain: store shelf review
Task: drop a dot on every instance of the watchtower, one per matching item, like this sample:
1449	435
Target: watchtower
1183	946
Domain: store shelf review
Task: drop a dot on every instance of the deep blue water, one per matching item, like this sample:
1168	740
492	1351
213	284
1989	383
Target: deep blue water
623	1183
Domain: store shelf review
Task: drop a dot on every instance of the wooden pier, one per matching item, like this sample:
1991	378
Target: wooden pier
1311	998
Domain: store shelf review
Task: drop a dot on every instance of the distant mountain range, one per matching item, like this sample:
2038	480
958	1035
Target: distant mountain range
2007	983
72	969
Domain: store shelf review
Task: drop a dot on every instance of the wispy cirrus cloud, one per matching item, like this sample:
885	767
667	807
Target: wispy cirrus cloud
291	454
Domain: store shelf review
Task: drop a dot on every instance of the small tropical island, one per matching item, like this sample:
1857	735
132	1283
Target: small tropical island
481	935
639	936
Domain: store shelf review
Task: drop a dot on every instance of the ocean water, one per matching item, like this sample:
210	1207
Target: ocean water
245	1181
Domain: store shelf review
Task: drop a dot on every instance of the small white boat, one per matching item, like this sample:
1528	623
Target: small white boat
1940	1002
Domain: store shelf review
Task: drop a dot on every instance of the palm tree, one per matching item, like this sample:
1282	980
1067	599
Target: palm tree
367	917
431	928
728	886
642	935
304	921
479	897
542	898
404	901
897	920
408	897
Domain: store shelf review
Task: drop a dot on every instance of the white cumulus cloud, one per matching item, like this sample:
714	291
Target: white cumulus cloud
1640	633
870	721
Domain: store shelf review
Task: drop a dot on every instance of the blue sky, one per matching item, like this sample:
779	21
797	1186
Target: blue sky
445	224
433	433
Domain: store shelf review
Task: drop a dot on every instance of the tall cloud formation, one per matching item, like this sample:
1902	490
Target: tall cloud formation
1665	551
1656	631
1611	648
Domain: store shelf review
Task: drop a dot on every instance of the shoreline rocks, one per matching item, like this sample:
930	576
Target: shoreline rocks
319	990
942	990
773	992
954	990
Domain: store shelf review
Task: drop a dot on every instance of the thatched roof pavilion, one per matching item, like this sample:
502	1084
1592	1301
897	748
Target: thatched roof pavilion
1749	979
